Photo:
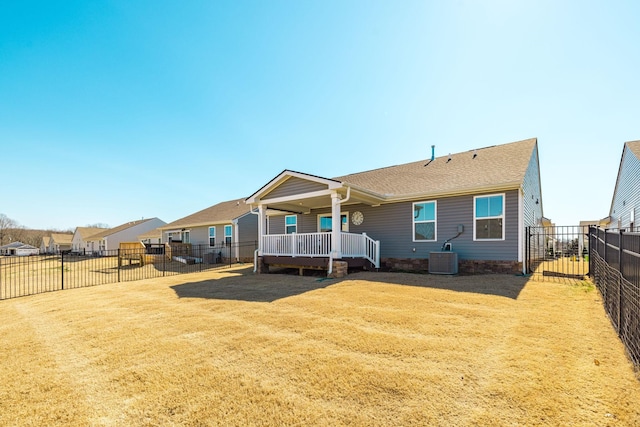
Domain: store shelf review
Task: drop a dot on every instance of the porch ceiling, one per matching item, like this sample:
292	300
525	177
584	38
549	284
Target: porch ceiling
306	204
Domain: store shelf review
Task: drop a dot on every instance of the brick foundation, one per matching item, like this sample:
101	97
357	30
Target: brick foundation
488	267
405	264
340	269
421	265
262	267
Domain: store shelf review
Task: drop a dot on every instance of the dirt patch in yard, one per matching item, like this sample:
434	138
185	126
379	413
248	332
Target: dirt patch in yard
233	348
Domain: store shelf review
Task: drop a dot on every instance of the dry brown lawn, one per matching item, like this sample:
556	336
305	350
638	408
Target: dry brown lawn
376	349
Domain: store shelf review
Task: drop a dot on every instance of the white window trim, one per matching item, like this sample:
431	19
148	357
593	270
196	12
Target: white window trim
504	211
185	233
435	221
328	215
285	223
230	235
209	236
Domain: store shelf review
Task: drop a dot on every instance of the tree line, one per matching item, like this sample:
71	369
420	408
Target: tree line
12	231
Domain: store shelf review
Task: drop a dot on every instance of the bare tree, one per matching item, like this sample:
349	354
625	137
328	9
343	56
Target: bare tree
98	225
7	228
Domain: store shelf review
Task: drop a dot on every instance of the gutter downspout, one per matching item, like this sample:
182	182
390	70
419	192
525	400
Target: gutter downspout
340	202
255	253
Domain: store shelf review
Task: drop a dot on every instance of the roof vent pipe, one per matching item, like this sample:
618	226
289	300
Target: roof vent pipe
433	152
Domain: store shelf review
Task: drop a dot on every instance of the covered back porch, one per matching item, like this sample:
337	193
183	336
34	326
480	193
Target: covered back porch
331	247
315	250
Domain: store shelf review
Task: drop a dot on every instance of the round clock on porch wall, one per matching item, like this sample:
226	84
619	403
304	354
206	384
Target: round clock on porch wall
357	218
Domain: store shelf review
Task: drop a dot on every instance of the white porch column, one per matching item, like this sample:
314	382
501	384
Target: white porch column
261	222
336	226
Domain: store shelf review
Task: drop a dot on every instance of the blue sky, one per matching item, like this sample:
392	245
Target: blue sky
111	111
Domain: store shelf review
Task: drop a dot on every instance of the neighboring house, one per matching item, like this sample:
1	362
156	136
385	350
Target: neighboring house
583	243
226	224
479	201
79	241
19	249
625	205
60	242
151	237
44	245
111	238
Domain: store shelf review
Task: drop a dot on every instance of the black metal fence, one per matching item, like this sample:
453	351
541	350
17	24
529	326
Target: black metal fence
29	275
558	253
615	268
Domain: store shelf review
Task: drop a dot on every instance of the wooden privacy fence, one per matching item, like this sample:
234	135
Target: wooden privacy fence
615	268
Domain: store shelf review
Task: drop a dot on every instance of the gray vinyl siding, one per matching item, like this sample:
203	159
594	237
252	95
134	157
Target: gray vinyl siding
532	211
294	186
392	225
532	193
200	235
627	192
248	228
247	235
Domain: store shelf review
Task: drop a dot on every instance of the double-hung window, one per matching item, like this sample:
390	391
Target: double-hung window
424	222
291	224
227	235
488	217
212	236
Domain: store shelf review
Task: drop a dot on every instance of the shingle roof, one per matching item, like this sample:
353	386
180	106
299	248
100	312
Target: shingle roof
62	238
110	231
634	146
152	234
221	212
17	245
491	167
86	232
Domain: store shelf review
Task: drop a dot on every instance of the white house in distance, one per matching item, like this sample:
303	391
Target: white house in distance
60	242
19	249
111	238
80	236
151	237
44	245
625	206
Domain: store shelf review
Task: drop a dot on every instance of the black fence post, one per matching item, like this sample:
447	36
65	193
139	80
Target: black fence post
604	248
591	243
526	249
62	268
119	264
620	281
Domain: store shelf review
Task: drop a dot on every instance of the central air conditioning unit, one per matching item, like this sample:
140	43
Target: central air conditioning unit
445	262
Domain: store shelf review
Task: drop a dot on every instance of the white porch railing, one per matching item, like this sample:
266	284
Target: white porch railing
361	246
319	245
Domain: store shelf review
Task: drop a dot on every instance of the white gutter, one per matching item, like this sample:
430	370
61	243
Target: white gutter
255	253
346	199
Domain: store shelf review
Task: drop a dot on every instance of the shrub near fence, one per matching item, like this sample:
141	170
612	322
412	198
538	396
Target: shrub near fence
21	276
615	268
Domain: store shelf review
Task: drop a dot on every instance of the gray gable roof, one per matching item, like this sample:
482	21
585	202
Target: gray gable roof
17	245
496	167
119	228
86	232
219	213
634	147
